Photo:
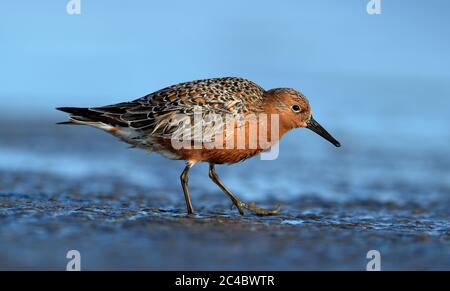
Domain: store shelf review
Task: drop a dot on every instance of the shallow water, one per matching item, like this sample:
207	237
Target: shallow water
65	188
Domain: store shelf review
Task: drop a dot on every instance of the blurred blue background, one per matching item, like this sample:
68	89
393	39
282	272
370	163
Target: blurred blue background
352	65
379	83
375	81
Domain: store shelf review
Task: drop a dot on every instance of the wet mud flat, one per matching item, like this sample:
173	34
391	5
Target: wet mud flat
60	192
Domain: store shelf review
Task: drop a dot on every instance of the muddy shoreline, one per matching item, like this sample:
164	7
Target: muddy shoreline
128	212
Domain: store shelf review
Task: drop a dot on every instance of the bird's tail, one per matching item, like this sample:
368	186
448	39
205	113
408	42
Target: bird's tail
86	116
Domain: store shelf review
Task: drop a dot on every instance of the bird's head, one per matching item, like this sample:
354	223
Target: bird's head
294	112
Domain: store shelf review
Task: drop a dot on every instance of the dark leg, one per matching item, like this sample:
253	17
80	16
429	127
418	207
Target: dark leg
236	201
184	183
212	174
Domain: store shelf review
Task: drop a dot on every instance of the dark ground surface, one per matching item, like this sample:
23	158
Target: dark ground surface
77	188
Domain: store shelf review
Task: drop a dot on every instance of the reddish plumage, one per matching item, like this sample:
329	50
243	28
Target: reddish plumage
153	122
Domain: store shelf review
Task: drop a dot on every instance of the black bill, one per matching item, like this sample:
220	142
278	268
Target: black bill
317	128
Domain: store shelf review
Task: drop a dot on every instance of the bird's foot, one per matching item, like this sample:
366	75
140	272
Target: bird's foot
239	205
262	211
259	211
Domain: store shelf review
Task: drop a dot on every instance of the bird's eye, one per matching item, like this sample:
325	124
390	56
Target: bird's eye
296	108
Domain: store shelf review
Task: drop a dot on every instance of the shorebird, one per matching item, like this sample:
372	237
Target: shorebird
148	123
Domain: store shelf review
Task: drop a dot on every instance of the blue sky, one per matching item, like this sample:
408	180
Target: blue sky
332	50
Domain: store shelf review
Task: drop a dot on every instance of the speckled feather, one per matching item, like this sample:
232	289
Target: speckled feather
153	113
155	121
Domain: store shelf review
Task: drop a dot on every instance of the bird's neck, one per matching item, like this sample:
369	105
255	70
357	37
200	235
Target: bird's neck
276	109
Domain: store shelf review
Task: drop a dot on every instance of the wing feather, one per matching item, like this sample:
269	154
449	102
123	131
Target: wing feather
165	113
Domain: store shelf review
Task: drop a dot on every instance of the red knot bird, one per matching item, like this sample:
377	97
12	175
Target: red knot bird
160	120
